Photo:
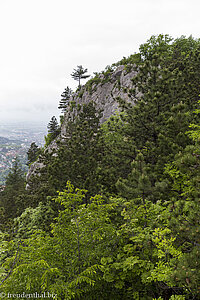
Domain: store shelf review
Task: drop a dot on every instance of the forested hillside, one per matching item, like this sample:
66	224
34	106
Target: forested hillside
112	211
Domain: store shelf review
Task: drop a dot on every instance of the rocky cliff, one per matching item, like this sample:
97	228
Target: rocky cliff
104	89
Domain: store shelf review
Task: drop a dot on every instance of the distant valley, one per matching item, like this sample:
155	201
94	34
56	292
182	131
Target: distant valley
15	140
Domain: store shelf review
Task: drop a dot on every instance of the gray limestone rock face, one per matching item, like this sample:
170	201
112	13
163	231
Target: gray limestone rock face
37	165
104	94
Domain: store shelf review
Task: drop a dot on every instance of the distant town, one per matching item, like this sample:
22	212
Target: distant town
15	140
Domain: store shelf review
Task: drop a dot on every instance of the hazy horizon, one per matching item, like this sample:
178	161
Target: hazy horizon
43	41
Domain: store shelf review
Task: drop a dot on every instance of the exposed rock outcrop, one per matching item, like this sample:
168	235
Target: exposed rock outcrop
104	90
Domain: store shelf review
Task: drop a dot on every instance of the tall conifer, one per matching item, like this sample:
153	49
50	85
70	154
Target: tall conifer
65	97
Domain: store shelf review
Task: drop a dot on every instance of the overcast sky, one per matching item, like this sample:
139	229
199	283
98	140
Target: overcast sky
42	41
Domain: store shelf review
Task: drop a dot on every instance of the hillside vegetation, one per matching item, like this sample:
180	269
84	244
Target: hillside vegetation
113	213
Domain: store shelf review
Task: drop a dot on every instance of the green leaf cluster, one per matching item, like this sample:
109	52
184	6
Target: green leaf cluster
126	225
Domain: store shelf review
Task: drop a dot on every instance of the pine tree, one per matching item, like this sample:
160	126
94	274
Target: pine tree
157	122
53	126
15	175
32	153
66	95
12	198
77	156
137	185
79	74
184	193
118	153
53	131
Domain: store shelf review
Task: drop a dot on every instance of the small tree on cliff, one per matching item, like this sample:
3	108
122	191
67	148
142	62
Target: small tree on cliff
32	153
65	96
53	126
53	131
79	74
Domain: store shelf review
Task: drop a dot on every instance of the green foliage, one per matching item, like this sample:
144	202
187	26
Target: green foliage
91	84
185	209
106	74
141	243
146	253
67	262
76	158
138	184
33	219
129	61
79	74
53	126
156	48
53	131
65	97
80	94
33	153
118	153
157	123
12	200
